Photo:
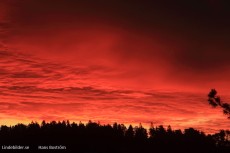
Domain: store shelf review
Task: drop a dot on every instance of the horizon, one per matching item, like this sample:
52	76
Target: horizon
101	124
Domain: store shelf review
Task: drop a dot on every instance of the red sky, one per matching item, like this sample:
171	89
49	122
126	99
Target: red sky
114	61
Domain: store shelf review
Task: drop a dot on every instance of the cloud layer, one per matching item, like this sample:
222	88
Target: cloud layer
114	61
37	89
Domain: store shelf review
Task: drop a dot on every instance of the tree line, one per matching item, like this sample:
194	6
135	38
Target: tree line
95	137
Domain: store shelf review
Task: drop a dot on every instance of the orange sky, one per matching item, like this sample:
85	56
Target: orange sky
114	62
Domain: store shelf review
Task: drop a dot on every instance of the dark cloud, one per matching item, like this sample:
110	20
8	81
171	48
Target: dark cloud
51	104
27	74
4	53
191	36
21	87
6	107
161	95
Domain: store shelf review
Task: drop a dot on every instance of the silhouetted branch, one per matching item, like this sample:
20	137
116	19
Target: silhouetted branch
215	101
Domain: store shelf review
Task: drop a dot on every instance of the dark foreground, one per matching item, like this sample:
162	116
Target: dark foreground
116	138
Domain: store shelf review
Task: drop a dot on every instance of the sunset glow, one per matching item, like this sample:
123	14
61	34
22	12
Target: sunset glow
114	62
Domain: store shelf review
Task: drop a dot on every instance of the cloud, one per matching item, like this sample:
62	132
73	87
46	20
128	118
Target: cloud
57	95
113	61
27	75
141	45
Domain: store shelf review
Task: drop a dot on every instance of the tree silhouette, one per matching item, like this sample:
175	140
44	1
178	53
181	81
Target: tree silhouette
152	131
129	133
94	137
140	132
214	100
